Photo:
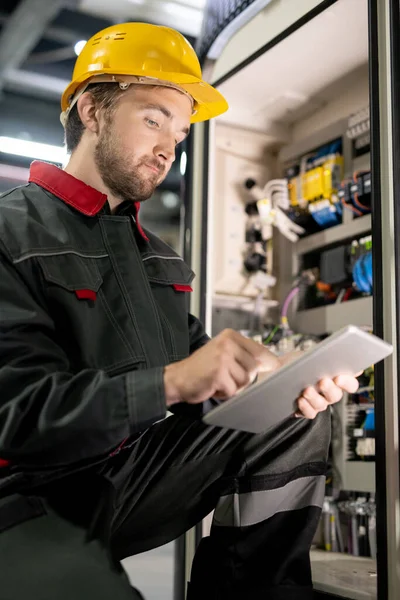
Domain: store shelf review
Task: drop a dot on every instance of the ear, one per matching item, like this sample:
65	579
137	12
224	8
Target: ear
88	112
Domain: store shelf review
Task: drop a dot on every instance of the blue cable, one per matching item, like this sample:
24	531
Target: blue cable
369	423
362	273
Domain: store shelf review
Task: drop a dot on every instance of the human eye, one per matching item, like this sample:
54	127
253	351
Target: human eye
152	123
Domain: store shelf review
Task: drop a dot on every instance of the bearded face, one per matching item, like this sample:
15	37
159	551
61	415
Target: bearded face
136	143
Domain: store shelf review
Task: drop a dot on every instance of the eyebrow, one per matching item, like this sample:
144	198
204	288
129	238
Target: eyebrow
167	113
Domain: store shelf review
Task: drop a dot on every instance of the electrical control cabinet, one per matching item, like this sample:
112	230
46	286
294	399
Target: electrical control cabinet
288	233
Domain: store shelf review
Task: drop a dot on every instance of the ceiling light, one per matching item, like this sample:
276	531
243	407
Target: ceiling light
183	163
170	200
79	46
54	154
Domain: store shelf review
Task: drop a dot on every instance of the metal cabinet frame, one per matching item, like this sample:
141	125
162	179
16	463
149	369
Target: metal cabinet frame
384	68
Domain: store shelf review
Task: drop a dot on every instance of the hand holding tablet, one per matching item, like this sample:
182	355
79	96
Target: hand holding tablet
339	358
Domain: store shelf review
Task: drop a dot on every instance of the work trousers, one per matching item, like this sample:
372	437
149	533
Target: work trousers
65	540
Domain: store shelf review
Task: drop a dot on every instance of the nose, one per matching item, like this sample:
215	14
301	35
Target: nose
165	149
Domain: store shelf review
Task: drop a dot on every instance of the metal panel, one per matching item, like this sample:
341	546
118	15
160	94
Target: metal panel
386	272
320	137
268	28
333	235
195	245
344	576
359	476
222	18
327	319
197	225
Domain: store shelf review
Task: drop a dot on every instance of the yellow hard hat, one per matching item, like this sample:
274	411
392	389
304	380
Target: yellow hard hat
145	54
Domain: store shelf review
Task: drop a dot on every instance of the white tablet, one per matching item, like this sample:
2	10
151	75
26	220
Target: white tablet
269	402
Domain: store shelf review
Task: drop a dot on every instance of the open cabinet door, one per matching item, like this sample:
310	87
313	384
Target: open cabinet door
377	82
194	245
384	25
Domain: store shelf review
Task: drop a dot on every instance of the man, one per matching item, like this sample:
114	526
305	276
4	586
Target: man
97	344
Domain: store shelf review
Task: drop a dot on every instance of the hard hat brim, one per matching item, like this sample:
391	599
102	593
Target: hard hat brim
209	101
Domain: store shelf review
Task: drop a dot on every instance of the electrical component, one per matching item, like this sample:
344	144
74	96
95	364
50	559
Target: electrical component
313	187
256	258
358	521
326	213
365	447
280	338
272	201
355	194
342	273
335	265
360	418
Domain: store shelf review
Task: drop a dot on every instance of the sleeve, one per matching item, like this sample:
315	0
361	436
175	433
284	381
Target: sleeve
197	339
49	415
197	335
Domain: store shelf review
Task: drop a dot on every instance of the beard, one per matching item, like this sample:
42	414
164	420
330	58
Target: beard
126	183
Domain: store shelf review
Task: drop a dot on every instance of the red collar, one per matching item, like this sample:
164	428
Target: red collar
72	191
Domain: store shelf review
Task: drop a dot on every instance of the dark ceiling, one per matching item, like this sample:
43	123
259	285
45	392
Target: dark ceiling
37	39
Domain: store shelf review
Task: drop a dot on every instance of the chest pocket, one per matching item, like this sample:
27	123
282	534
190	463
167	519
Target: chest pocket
85	321
170	280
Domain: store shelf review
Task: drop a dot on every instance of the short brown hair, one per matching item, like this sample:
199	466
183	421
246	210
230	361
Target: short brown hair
105	95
